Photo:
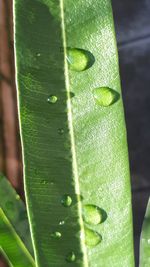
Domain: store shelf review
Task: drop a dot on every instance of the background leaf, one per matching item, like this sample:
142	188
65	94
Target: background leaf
15	211
145	240
74	138
12	245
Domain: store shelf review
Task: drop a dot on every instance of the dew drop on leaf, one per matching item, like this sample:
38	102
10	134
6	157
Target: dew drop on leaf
17	197
105	96
71	257
52	99
61	222
79	59
44	182
93	214
92	238
66	201
56	235
61	131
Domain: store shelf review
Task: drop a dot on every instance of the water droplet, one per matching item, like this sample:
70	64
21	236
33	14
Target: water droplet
56	235
44	182
71	257
61	131
66	201
52	99
105	96
61	222
93	214
38	54
92	238
17	197
79	59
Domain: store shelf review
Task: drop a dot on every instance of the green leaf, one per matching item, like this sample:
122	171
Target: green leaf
73	133
15	210
145	240
11	245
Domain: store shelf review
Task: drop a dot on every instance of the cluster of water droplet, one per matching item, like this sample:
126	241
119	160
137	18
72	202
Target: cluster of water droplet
80	60
93	215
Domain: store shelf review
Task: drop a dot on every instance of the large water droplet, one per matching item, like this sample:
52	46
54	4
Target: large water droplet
105	96
93	214
56	235
52	99
66	201
71	257
79	59
92	238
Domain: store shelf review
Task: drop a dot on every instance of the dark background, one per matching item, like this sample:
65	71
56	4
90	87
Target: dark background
132	22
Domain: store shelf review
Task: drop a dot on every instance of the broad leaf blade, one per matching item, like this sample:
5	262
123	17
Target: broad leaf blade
12	245
145	240
15	210
74	146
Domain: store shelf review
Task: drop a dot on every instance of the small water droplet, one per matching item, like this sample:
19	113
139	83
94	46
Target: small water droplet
71	257
52	99
93	214
56	235
38	54
92	238
148	241
61	131
79	59
17	197
66	201
61	222
105	96
44	182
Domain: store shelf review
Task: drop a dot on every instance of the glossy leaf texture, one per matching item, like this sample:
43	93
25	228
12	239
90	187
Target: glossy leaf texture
145	240
14	228
73	133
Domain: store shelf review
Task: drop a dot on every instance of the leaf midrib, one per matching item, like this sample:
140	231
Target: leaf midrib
72	138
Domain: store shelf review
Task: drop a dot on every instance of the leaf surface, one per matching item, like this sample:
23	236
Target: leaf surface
74	141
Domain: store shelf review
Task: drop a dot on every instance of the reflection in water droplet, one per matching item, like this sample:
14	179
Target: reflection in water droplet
92	238
38	54
52	99
79	59
105	96
61	131
71	257
93	214
61	222
56	235
66	201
